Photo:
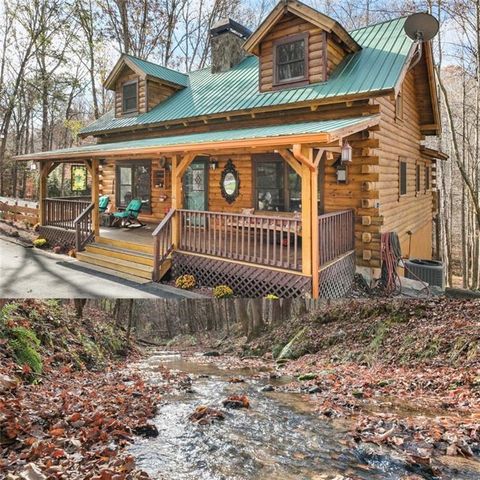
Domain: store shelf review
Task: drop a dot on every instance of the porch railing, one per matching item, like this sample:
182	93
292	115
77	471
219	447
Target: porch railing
163	243
62	213
263	240
83	227
335	235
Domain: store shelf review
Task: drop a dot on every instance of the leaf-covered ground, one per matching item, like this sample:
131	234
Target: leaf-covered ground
68	405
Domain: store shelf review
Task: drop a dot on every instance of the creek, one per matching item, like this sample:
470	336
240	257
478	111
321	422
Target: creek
278	437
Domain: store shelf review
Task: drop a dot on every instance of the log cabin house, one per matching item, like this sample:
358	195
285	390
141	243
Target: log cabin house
275	170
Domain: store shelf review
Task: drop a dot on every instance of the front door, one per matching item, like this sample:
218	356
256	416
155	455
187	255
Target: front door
195	185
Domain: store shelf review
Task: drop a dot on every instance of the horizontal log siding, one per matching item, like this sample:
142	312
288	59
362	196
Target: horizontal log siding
291	25
413	211
159	208
157	93
129	75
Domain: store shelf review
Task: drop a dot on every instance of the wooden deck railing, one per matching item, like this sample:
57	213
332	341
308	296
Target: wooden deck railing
264	240
83	227
62	213
163	243
335	235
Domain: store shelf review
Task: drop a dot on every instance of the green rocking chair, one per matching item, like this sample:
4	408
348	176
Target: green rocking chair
130	216
103	202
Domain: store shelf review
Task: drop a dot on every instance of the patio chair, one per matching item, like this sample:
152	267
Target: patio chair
103	202
130	216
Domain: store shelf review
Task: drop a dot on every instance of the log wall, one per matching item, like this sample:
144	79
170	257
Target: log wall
401	138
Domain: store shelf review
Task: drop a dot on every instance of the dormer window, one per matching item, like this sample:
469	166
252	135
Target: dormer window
290	60
129	95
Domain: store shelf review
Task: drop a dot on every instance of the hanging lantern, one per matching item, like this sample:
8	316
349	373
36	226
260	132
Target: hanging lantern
346	152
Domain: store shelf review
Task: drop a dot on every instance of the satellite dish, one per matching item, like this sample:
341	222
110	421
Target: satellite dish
421	27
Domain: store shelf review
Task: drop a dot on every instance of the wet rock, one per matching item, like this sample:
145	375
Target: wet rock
357	393
307	376
267	388
204	415
314	389
236	380
147	430
236	401
213	353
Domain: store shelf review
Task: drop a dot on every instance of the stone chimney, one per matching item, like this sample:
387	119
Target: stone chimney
227	38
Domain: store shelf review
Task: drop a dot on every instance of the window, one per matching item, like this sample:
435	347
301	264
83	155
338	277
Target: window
290	59
403	177
277	185
399	106
417	178
427	178
133	181
129	96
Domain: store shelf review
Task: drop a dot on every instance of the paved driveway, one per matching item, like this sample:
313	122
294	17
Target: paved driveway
29	273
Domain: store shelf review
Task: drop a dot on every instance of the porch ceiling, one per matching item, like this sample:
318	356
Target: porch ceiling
320	133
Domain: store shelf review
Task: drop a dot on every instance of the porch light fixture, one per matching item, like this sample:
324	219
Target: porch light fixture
213	164
346	152
341	169
33	166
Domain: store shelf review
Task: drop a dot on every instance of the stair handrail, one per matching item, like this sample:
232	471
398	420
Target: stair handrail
163	243
83	236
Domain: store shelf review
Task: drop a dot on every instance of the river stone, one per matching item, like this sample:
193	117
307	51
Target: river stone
307	376
315	389
147	430
267	388
213	353
288	350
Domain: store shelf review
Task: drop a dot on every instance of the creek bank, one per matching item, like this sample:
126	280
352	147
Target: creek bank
280	435
405	373
68	404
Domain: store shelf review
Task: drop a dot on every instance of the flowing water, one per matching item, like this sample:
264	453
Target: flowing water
278	437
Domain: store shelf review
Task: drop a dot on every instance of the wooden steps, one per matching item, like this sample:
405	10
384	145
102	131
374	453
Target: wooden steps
121	257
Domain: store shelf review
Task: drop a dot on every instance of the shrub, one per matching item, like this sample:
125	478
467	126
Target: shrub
39	242
24	344
186	282
271	296
222	291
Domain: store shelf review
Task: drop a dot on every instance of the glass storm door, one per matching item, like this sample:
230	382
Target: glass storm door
195	185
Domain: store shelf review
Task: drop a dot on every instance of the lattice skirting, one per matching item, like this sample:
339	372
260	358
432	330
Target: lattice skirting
246	281
57	236
336	280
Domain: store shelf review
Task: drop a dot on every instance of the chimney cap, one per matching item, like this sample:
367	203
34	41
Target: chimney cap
228	25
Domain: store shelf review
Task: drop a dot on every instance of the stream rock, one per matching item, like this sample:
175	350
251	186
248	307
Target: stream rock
147	430
213	353
267	388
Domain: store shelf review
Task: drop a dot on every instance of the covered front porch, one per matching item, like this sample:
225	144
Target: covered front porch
247	233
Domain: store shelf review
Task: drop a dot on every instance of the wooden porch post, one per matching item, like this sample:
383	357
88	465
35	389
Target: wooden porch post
310	253
95	196
42	190
176	200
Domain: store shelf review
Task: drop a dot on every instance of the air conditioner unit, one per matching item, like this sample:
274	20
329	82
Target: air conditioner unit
428	271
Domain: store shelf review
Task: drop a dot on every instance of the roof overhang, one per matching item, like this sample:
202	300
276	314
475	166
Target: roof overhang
319	133
433	154
307	13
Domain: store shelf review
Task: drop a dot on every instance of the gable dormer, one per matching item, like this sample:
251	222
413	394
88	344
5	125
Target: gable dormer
296	45
139	85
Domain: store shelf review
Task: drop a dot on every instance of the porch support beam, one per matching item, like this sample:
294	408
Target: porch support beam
94	171
299	153
176	199
45	167
310	253
182	166
291	160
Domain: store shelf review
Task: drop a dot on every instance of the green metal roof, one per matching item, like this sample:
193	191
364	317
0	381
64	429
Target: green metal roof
324	126
157	71
377	67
